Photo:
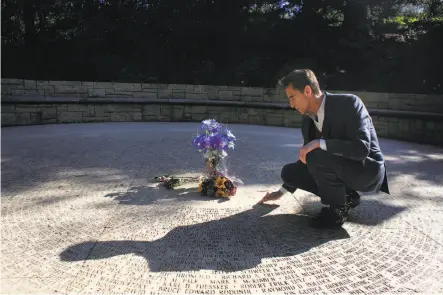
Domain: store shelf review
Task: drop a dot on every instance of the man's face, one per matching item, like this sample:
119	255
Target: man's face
298	100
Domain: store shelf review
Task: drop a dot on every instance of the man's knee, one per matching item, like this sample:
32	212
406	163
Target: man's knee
285	172
290	170
316	158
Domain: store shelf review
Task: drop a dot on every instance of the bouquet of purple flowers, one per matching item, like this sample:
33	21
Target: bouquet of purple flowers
213	140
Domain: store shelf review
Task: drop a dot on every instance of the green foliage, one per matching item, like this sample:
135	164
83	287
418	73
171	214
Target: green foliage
410	20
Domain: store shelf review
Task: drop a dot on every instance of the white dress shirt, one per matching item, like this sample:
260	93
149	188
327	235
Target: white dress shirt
319	125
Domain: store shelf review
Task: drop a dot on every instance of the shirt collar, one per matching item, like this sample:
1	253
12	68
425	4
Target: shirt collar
321	111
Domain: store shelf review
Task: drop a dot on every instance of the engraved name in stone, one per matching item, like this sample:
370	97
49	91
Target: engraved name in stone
192	291
190	276
384	289
358	284
338	284
170	290
313	273
292	276
259	271
376	277
209	287
286	267
257	281
406	278
346	275
340	290
357	291
318	282
235	292
170	284
279	286
299	282
312	290
365	275
373	286
252	286
133	291
321	276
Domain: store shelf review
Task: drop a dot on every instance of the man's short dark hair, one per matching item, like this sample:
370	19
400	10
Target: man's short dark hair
299	79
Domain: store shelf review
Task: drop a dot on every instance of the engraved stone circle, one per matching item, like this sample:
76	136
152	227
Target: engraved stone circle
81	214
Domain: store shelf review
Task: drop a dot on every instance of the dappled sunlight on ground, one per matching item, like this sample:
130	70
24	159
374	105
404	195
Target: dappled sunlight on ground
81	213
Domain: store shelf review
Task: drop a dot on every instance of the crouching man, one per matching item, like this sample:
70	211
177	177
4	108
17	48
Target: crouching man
341	153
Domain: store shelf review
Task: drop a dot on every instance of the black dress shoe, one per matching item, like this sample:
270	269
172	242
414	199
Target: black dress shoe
353	198
331	217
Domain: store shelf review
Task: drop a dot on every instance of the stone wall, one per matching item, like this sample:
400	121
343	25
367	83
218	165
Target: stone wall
46	113
18	87
27	102
415	130
96	90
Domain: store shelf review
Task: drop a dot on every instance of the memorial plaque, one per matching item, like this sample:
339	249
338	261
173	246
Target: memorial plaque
89	227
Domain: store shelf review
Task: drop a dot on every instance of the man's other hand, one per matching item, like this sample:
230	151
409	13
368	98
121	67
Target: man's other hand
315	144
271	197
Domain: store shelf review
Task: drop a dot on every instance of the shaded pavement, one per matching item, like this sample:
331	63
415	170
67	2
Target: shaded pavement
81	214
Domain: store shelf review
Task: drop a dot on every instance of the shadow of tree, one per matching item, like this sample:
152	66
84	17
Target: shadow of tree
372	216
147	195
111	153
424	162
369	212
234	243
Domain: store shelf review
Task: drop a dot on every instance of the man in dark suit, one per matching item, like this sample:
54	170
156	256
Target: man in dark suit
341	153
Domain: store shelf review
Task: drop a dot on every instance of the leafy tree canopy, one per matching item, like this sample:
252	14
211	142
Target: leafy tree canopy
372	45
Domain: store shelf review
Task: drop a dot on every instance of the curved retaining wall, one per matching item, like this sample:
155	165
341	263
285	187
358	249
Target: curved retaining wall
409	117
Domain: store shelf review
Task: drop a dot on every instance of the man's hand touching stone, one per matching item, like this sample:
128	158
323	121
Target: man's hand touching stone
271	197
315	144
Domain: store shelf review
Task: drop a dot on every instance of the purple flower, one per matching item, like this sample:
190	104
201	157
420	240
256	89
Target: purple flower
229	134
219	141
207	142
199	141
214	137
210	125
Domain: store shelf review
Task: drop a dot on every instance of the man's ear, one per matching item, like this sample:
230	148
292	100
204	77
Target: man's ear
307	91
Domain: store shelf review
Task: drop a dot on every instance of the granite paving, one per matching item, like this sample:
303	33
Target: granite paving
80	213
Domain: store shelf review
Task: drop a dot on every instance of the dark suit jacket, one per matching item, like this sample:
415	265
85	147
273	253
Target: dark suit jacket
348	132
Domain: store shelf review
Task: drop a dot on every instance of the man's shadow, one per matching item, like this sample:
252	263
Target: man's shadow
234	243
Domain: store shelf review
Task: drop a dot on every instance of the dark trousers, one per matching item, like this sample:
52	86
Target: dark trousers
330	177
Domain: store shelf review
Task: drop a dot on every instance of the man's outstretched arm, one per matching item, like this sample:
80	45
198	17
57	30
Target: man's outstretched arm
271	196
